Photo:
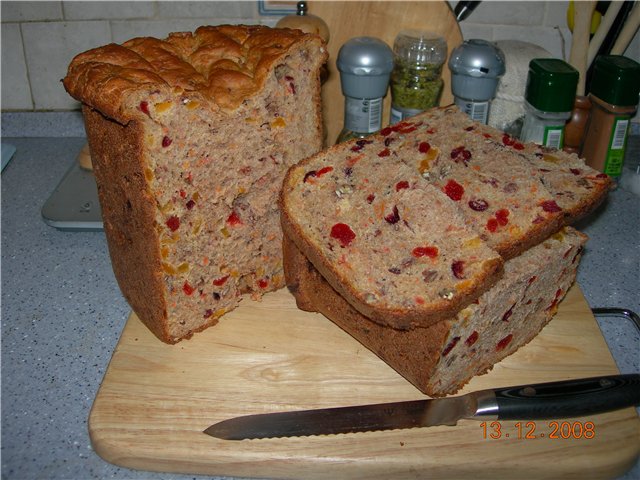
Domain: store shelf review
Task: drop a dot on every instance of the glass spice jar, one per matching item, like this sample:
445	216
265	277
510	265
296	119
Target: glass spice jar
416	80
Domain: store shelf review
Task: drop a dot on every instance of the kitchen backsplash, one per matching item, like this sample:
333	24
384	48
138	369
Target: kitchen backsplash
39	39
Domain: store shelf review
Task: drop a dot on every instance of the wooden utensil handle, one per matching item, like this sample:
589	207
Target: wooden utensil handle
580	41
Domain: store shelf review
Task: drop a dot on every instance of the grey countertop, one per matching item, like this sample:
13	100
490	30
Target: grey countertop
62	312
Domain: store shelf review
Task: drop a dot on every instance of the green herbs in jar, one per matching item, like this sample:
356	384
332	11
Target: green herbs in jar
416	87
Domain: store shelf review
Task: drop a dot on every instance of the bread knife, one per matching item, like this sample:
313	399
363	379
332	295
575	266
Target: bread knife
563	399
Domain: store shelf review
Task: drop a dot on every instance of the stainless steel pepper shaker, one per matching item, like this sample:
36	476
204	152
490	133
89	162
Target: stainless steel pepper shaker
365	65
476	67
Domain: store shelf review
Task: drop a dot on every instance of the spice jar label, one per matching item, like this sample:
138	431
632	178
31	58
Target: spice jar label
617	143
553	137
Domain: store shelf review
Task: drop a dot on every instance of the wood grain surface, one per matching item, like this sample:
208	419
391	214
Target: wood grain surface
382	20
156	400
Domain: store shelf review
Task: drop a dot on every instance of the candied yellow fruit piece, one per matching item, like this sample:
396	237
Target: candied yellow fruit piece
162	107
278	122
168	268
425	164
473	242
463	285
192	105
167	207
197	226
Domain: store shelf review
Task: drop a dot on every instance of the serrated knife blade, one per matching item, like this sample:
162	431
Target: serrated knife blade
563	399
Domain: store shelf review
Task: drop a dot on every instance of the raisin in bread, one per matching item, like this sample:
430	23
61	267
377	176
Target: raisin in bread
441	358
190	139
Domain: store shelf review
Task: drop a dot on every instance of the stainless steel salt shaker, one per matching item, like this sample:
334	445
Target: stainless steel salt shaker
476	67
365	65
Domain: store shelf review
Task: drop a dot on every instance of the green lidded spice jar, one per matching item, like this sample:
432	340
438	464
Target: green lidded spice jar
549	98
416	80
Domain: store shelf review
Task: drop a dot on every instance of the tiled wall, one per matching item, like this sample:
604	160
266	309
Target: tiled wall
40	38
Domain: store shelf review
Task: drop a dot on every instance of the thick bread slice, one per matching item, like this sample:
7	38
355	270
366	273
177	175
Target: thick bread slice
442	358
399	251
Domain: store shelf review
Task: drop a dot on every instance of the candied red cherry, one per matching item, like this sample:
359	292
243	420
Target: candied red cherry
507	140
188	289
173	223
384	153
428	251
492	224
401	185
502	216
218	282
550	206
234	219
370	198
454	190
424	147
473	338
166	141
324	170
144	107
449	347
502	344
343	233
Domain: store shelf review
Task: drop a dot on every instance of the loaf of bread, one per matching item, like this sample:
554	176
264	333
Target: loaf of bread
190	139
406	224
442	358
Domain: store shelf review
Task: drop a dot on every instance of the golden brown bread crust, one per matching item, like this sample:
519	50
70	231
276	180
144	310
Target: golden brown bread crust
119	165
219	65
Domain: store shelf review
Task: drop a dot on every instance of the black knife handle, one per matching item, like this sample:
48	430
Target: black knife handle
570	398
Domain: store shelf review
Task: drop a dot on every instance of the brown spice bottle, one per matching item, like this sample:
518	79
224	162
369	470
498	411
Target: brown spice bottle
574	129
614	98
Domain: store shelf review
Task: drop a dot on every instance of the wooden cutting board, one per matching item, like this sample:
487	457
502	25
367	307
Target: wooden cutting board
382	20
156	400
